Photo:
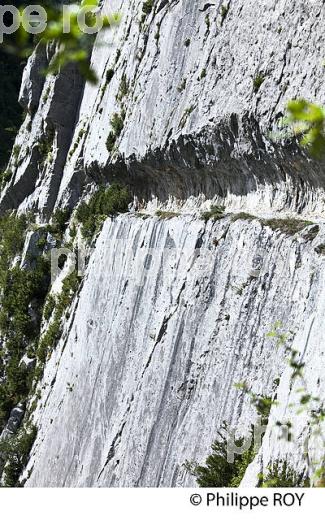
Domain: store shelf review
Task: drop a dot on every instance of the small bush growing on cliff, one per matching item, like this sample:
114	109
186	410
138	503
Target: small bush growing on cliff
59	222
22	295
281	474
217	471
56	308
215	213
104	203
5	177
258	82
117	124
289	226
223	12
20	327
15	451
147	6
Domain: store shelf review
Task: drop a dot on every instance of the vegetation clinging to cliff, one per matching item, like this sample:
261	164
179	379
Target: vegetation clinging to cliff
217	470
104	203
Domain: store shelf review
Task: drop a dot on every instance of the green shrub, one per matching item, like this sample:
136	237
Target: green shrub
49	340
109	75
104	203
12	235
15	451
49	307
59	223
166	215
289	226
258	82
81	133
217	471
45	145
5	177
20	327
223	12
215	213
148	6
242	216
20	289
281	475
110	141
123	89
117	124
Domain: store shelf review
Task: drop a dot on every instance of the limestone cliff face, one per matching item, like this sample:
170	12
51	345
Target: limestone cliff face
167	322
194	120
172	313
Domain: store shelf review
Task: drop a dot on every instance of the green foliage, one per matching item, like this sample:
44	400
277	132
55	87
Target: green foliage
74	46
215	213
16	151
166	215
15	451
104	203
289	226
281	475
59	305
186	115
109	76
242	216
77	142
217	471
123	89
59	222
223	12
5	177
307	121
147	6
19	326
12	231
258	82
117	124
261	403
49	307
45	145
307	402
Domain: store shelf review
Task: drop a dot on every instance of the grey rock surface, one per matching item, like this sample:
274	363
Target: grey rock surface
166	324
172	313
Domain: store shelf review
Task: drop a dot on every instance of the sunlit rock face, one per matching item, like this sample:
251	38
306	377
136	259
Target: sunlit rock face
173	312
202	90
171	315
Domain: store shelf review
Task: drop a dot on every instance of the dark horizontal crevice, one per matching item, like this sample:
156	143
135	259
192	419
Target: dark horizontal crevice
216	162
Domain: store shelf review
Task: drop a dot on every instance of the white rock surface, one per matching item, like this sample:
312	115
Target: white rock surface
166	323
144	374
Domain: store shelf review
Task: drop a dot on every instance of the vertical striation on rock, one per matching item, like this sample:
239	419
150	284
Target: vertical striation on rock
166	324
173	311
